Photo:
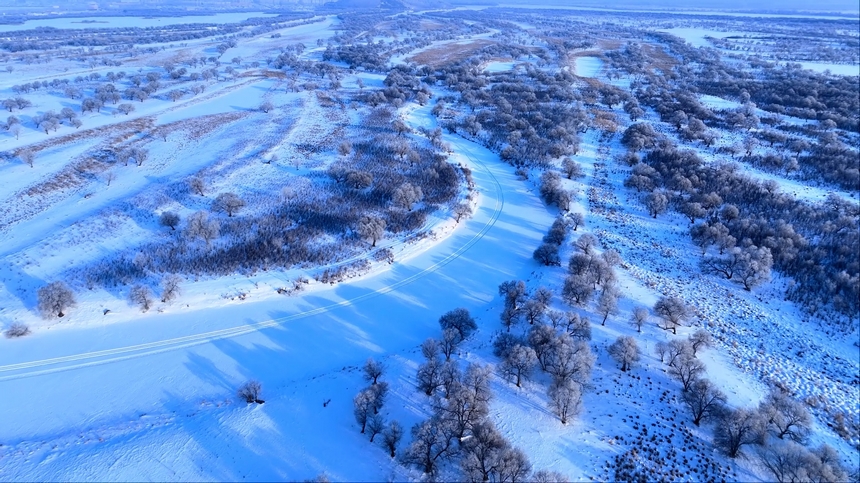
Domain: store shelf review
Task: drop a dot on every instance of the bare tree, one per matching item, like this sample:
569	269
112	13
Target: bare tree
448	344
373	370
672	311
54	299
26	155
461	210
571	168
565	399
170	288
109	177
375	425
625	351
429	377
703	399
344	148
391	437
738	428
266	106
200	226
196	185
169	219
639	318
519	363
786	417
141	296
460	320
229	203
432	443
687	370
250	392
125	108
577	220
699	339
607	304
363	403
16	330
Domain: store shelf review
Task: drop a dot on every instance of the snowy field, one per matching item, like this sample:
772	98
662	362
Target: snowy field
588	66
108	22
112	393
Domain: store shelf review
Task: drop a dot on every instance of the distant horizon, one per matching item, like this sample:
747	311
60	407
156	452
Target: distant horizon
730	6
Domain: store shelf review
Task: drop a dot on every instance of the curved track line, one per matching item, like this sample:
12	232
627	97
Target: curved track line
150	348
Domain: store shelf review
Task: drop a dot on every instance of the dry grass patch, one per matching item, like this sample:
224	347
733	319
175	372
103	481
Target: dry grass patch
448	53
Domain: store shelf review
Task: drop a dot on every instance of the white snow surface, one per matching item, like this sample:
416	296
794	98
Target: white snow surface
588	66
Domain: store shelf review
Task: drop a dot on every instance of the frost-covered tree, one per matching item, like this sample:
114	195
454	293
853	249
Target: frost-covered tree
459	320
229	203
371	227
448	343
519	363
786	417
363	404
639	318
625	351
54	299
565	399
406	195
373	370
432	443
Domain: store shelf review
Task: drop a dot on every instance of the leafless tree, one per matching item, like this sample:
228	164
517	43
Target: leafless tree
565	399
687	369
736	429
519	363
169	219
26	155
371	227
432	443
406	195
672	311
170	288
196	185
250	392
375	425
391	437
141	296
125	108
448	344
266	106
229	203
363	407
625	351
607	303
639	318
461	210
786	417
699	339
373	370
54	299
704	400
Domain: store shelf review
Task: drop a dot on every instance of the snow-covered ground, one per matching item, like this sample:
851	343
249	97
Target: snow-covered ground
108	22
588	66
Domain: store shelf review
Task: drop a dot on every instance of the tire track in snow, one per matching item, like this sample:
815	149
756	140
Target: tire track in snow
88	359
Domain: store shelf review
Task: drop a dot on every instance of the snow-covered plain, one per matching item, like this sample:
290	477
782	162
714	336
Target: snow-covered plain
108	22
131	396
